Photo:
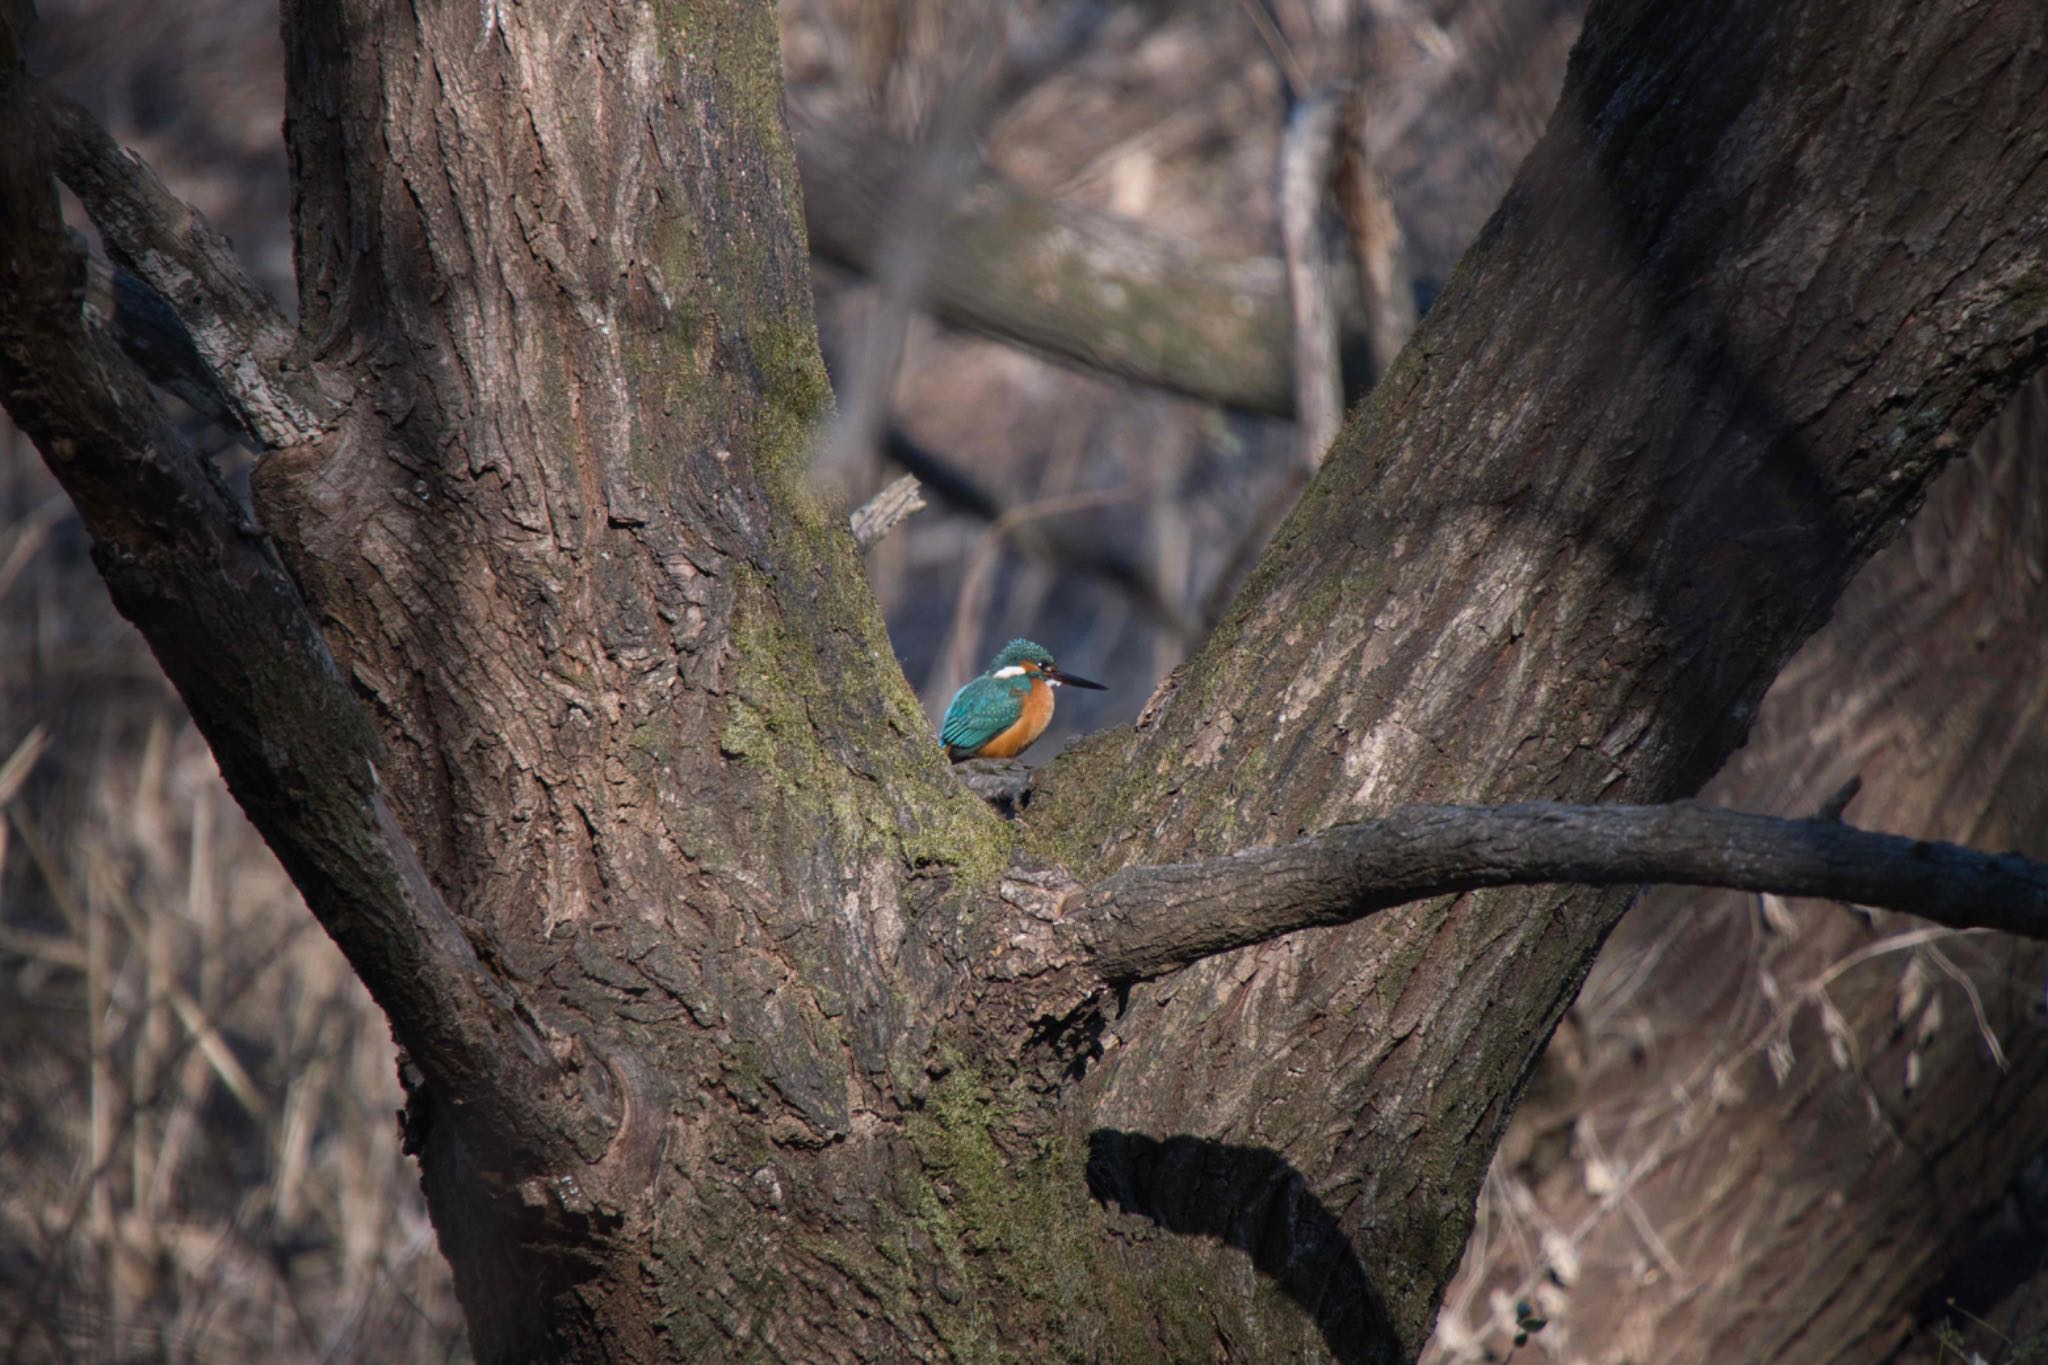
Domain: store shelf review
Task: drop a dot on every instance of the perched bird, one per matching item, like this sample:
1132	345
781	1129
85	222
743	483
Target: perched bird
1002	711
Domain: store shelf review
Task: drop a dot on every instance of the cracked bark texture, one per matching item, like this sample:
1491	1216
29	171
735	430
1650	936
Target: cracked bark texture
645	731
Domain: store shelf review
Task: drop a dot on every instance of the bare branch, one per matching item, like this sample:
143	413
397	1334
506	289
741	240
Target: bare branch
225	620
1145	922
1045	543
235	328
1266	24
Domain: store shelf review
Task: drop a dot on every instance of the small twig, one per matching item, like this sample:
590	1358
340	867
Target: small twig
28	536
1292	76
1623	1194
954	486
955	657
1832	808
880	514
196	1018
1976	999
14	770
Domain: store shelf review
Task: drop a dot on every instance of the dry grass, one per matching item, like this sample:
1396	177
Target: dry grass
200	1153
201	1157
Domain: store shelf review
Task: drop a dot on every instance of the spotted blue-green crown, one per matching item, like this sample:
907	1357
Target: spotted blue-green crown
1019	651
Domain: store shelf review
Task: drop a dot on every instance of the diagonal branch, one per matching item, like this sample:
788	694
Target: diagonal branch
1147	921
235	328
226	622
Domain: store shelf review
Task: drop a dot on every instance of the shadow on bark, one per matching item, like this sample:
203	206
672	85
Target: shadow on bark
1252	1199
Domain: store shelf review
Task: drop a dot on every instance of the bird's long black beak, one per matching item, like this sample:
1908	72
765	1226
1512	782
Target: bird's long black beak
1069	680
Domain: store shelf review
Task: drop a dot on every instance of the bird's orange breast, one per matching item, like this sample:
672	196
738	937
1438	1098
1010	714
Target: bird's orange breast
1029	725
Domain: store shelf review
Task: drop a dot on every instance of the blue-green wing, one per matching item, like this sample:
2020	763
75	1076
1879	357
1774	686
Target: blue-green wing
982	710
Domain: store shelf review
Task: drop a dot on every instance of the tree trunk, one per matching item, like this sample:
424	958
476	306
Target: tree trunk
1627	462
646	727
770	1081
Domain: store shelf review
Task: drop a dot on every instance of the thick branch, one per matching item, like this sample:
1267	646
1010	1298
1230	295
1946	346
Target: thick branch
1147	921
226	622
235	328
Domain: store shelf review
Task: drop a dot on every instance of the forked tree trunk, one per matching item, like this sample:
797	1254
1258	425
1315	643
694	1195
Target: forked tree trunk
748	1060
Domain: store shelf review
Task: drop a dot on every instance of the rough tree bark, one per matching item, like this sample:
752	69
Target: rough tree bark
760	1035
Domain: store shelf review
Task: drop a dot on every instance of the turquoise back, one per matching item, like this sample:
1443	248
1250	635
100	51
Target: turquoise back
982	710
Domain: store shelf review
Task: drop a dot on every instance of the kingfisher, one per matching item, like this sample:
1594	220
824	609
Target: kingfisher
1002	711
